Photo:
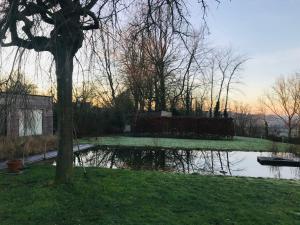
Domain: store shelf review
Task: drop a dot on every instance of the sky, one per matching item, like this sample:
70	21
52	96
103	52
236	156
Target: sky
266	31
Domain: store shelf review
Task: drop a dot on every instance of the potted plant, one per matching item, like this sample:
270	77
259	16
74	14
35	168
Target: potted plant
14	148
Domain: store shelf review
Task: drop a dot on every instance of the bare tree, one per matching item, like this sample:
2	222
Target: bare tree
17	84
283	101
233	77
107	58
188	78
193	70
229	65
158	65
60	28
246	122
57	27
297	96
223	65
211	81
136	67
262	113
85	93
161	49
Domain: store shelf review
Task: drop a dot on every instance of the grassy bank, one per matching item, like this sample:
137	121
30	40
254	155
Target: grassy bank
143	197
237	144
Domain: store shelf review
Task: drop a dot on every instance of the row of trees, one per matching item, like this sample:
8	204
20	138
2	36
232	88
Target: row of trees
162	69
61	28
248	122
278	110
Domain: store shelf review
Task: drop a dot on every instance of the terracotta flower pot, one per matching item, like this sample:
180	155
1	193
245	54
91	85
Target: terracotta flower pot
14	166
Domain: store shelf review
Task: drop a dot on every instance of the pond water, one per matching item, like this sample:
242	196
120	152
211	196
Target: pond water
227	163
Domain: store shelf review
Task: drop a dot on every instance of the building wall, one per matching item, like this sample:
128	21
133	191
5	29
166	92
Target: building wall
31	102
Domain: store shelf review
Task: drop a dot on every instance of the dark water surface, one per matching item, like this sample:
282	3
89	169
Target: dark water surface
189	161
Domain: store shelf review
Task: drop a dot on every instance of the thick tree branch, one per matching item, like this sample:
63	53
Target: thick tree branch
92	3
95	24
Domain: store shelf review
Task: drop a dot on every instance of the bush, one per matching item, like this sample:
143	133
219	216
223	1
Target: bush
91	120
285	139
16	147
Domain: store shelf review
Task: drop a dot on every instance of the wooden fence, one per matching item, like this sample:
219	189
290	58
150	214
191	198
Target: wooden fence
183	127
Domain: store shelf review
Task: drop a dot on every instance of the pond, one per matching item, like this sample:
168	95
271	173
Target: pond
236	163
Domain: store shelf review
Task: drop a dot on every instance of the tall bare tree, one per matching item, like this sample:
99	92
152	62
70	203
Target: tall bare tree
57	27
107	57
211	70
229	65
283	100
60	28
188	76
157	62
161	50
137	68
233	76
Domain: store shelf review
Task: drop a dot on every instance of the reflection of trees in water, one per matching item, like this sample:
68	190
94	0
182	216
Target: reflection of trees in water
276	171
184	161
286	155
296	172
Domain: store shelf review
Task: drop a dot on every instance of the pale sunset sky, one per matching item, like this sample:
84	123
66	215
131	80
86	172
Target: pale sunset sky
266	31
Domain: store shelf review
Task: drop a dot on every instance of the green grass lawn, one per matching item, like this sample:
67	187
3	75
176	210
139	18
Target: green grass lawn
237	144
143	197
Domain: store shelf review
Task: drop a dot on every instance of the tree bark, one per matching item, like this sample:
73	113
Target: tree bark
163	104
289	129
290	134
64	70
187	102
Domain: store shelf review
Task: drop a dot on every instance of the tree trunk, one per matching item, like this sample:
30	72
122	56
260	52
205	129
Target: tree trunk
290	134
149	104
162	93
217	110
289	129
64	70
226	99
142	105
211	97
157	99
136	104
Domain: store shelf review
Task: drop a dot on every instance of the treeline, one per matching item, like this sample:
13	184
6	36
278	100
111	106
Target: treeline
154	61
158	65
162	65
92	120
150	63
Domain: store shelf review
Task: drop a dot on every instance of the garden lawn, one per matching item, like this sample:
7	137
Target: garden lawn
124	197
237	144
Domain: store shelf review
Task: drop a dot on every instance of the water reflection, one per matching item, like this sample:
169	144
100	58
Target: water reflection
280	172
189	161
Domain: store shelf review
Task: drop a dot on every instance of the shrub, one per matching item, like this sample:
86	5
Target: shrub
16	147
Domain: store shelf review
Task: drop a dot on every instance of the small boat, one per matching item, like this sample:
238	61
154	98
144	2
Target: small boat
278	161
